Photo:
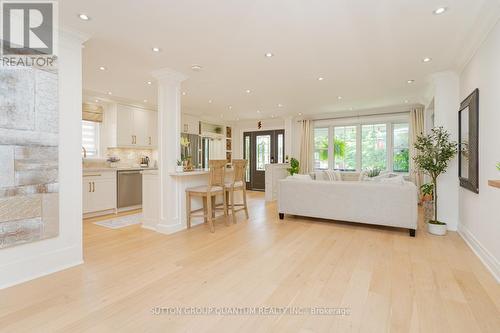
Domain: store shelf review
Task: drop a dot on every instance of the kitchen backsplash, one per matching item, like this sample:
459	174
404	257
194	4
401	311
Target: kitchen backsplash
131	156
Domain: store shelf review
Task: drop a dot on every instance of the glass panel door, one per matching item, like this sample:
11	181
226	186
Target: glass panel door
263	151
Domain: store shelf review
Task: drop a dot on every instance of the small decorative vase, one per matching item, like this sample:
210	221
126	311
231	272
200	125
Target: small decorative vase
437	229
428	210
179	168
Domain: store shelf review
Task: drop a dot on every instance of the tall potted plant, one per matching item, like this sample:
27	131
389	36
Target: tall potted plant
434	153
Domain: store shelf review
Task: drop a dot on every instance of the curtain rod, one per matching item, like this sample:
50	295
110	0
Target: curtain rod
357	116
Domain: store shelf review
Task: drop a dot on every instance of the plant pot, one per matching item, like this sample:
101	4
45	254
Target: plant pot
437	229
179	168
428	210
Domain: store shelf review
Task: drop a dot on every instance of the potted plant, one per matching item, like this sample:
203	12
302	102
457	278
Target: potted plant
428	201
179	167
434	153
294	167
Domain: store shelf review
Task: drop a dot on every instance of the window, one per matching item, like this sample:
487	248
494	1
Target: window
374	146
321	148
401	157
344	148
263	152
90	138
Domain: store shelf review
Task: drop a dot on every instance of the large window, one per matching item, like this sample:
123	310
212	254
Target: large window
321	148
401	153
356	147
374	146
90	138
344	147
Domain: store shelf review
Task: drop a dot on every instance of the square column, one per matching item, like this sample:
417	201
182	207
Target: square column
169	134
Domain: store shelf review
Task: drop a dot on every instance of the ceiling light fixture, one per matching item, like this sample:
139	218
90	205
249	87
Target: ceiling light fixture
230	107
145	101
440	10
248	91
280	105
406	101
156	49
84	17
102	68
426	59
97	101
196	68
410	81
300	113
183	93
321	78
210	101
269	55
149	83
339	97
110	93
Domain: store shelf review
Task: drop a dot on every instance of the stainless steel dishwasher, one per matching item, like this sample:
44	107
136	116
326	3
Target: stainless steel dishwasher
129	188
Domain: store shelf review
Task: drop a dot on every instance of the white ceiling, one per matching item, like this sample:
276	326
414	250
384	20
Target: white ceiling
365	49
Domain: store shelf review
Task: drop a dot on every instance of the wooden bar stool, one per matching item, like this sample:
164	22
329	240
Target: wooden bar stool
208	193
238	184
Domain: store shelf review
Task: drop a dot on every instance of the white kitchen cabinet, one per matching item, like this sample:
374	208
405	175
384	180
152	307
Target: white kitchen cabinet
190	124
99	191
129	127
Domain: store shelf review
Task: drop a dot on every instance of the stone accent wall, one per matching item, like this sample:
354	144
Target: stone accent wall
29	122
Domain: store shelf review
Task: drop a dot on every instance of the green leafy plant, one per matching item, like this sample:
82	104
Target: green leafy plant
428	190
402	161
373	172
179	162
434	153
294	166
339	148
498	166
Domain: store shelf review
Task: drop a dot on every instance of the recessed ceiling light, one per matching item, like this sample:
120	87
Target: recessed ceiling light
339	97
272	116
145	101
406	101
221	115
248	91
102	68
300	113
230	107
269	55
110	93
258	111
97	101
426	59
351	108
237	119
410	81
321	78
209	101
84	17
149	83
196	68
183	93
280	105
156	49
440	10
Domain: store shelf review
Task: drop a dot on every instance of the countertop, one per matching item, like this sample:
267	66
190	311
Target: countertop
195	172
104	169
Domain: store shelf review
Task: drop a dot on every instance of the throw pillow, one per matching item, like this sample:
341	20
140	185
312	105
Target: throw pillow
397	179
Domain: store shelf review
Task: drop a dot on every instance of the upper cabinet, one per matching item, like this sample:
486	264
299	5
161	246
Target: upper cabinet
190	124
128	126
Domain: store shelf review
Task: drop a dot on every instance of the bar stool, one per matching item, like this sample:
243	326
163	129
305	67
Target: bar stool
238	184
208	193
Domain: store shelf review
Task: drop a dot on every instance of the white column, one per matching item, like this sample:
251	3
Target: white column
446	106
169	133
289	136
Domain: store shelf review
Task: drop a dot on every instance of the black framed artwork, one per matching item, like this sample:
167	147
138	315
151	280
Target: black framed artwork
468	133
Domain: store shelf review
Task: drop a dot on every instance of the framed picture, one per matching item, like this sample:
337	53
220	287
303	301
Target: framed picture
468	133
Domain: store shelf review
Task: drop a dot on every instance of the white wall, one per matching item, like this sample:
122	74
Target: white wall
26	262
479	213
446	105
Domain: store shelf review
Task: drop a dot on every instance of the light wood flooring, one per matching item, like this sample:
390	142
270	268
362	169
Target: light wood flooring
389	281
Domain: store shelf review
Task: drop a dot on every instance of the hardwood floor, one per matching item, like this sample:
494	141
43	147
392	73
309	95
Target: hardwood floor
388	280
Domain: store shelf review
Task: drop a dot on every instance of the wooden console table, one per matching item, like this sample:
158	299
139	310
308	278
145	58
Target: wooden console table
494	183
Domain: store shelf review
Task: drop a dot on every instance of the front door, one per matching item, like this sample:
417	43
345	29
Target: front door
261	148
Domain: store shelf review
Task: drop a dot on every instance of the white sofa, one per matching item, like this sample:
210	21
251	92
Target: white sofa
369	202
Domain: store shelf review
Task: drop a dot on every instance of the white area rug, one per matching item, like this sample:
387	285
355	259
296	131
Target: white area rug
121	222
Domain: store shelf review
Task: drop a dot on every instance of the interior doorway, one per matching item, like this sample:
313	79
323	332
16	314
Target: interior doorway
261	148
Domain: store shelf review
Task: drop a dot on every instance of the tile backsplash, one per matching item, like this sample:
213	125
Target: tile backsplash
132	156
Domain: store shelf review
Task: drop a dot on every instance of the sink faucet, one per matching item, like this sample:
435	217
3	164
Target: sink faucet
84	152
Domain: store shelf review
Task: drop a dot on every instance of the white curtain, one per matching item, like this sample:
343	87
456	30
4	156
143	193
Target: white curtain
416	129
306	146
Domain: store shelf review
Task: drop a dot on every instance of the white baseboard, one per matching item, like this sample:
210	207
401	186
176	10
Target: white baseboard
491	263
36	266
